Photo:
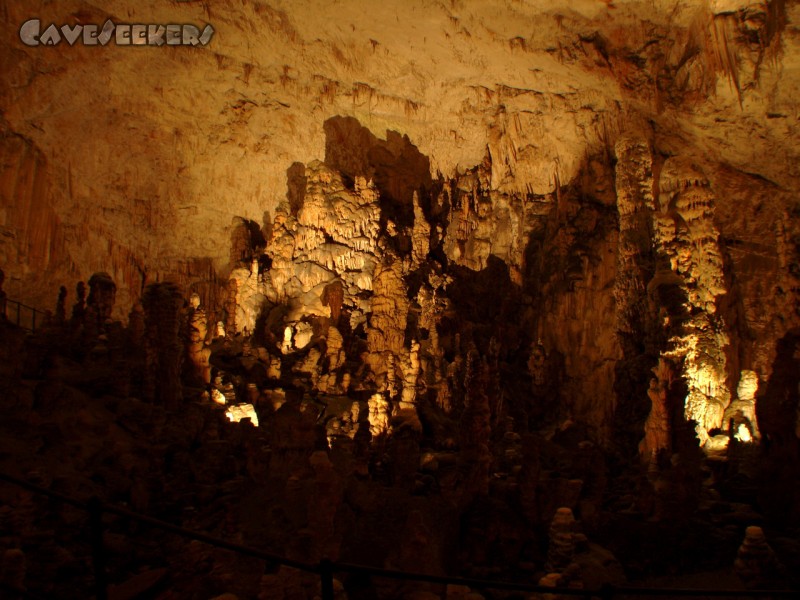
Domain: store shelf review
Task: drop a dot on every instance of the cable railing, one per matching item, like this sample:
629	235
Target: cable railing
22	315
96	509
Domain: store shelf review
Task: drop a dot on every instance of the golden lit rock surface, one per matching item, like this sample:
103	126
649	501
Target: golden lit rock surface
607	183
149	153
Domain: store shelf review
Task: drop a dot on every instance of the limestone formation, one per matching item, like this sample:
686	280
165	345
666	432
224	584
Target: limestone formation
756	563
79	308
334	349
657	428
197	351
240	412
411	369
740	416
162	304
421	235
687	237
561	549
102	292
432	252
475	428
635	206
389	306
378	415
333	297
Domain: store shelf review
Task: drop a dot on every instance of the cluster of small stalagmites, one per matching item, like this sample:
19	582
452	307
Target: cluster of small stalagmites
756	563
687	237
330	257
163	303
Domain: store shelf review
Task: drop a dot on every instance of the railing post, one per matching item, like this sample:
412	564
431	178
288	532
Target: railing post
326	578
95	507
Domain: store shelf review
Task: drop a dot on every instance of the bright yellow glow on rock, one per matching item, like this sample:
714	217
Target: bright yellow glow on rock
242	411
743	433
217	396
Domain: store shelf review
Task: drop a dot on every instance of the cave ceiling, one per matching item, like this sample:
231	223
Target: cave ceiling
136	160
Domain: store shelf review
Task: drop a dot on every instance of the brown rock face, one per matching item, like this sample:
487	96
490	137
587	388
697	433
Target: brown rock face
595	189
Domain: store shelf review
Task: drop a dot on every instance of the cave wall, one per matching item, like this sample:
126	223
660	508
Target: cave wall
566	143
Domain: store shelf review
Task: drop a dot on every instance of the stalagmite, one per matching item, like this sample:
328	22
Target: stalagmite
756	563
162	304
378	415
197	350
561	550
61	306
687	236
657	428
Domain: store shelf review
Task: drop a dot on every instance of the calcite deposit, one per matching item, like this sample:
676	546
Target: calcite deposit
495	289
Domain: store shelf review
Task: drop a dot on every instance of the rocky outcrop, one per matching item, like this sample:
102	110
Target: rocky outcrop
687	237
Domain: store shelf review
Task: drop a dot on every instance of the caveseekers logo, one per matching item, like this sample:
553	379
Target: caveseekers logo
124	34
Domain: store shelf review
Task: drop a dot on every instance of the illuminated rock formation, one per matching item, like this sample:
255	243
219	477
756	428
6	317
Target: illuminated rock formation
740	416
688	238
657	428
389	310
197	350
378	415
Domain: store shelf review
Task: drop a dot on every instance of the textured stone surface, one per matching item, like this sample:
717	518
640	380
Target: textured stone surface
147	154
607	183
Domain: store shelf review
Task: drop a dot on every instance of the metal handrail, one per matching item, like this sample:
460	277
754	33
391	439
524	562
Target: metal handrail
19	311
325	568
